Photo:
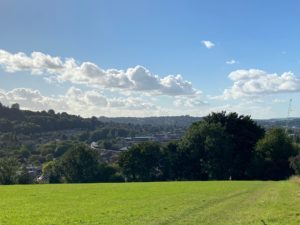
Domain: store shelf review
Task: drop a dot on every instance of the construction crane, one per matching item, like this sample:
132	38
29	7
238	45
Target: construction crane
288	116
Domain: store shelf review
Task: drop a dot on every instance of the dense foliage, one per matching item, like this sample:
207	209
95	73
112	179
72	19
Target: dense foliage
219	147
8	170
34	138
79	165
22	121
141	162
272	154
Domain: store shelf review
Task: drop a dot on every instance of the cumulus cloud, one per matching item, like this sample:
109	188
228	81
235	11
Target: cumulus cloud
36	63
137	79
30	99
94	103
195	101
191	103
208	44
254	82
76	101
231	62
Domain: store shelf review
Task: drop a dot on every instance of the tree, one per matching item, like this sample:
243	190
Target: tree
244	134
205	152
51	112
52	171
272	155
80	165
15	106
108	173
218	147
295	164
171	161
8	170
24	177
141	162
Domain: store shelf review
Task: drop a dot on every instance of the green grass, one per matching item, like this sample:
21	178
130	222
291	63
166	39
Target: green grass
222	203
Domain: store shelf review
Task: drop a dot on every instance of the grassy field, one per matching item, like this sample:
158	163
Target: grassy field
221	203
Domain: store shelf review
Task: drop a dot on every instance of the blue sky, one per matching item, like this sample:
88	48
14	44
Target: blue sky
127	56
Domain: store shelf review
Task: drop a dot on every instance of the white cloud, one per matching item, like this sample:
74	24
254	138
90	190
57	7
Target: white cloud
257	110
137	79
190	101
231	62
208	44
37	63
94	103
76	101
254	82
31	99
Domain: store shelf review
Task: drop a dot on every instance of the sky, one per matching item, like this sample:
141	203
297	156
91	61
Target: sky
151	58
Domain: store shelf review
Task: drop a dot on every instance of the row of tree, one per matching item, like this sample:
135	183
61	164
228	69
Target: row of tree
79	164
274	158
220	147
13	119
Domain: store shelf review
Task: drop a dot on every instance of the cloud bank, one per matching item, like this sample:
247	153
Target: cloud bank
154	92
137	79
254	82
76	101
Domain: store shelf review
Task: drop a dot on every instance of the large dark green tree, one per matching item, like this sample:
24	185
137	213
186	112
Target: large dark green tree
205	152
243	133
220	146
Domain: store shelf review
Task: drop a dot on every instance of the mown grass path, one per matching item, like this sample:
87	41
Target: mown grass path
217	202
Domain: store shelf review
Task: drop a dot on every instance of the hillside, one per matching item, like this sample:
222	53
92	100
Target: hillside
13	119
35	138
178	121
185	121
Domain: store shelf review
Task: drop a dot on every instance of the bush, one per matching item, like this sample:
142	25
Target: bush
272	154
295	164
8	170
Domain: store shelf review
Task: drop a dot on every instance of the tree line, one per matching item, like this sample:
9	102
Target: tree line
222	146
13	119
34	138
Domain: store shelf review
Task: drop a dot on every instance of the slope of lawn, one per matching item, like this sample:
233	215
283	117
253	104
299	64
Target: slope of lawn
216	202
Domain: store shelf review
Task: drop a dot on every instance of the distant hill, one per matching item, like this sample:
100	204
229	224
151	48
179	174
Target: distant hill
24	121
185	121
291	123
12	119
174	121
